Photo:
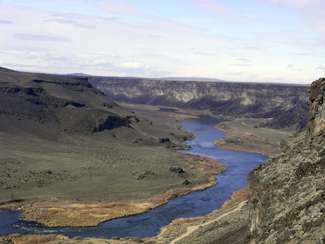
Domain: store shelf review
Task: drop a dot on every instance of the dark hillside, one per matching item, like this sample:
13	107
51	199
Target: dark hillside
63	138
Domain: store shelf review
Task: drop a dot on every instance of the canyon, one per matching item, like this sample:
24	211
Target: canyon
285	195
283	105
58	132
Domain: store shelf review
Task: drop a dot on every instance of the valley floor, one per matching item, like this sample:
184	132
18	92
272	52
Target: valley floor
243	135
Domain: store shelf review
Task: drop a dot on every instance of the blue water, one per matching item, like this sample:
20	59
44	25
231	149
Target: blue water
200	203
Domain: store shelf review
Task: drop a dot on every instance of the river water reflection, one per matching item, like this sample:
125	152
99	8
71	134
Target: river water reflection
200	203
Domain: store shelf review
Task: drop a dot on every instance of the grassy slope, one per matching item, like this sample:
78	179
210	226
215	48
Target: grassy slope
61	139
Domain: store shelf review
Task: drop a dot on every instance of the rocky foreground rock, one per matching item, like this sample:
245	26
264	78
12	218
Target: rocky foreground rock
287	193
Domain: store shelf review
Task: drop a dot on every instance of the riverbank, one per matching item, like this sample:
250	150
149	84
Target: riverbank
197	229
242	134
179	230
209	199
59	213
245	135
179	114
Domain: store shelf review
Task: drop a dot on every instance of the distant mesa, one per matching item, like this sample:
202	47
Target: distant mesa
190	78
78	74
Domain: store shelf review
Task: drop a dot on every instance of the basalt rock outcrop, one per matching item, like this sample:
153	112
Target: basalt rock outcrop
67	105
286	105
287	193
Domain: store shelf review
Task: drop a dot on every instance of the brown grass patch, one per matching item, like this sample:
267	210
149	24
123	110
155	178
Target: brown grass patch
181	117
138	106
246	143
32	239
81	214
182	221
206	164
39	240
237	196
59	213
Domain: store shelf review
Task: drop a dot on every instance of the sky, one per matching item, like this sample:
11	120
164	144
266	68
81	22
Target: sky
280	41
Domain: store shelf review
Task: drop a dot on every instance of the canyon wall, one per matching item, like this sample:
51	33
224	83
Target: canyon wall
284	105
287	193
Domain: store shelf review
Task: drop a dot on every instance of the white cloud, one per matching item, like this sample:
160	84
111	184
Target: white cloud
101	61
290	66
155	36
95	43
222	11
234	73
246	60
132	65
321	68
32	37
140	69
310	11
72	22
6	22
119	7
295	3
202	53
241	65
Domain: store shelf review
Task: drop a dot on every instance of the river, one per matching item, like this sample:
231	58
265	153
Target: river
200	203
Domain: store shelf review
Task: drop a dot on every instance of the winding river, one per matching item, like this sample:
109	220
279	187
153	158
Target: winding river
200	203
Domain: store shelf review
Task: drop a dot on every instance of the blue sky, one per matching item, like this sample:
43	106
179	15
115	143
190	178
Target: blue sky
234	40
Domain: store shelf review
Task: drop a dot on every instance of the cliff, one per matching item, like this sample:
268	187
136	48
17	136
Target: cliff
287	193
286	105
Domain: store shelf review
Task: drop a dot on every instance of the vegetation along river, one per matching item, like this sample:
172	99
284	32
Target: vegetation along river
200	203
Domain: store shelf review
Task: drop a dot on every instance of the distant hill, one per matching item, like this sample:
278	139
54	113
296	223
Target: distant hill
78	74
285	104
190	78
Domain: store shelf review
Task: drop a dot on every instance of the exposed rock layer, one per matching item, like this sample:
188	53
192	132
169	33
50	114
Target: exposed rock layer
286	104
287	193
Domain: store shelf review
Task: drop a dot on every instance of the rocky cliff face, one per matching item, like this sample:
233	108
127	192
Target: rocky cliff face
286	104
287	193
